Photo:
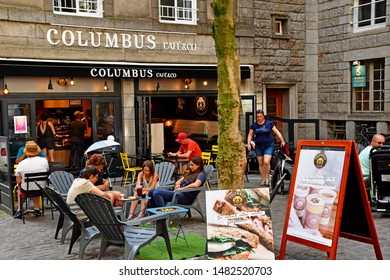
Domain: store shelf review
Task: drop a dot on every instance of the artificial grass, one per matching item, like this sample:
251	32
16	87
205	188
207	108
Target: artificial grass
196	247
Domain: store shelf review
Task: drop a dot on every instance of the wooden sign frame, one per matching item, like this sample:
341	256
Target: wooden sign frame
324	182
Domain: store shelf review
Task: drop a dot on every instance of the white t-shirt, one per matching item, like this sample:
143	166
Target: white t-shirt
31	165
364	158
79	185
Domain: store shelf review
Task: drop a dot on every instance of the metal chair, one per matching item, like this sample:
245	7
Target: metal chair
115	232
41	177
206	156
214	154
208	169
71	220
165	172
127	168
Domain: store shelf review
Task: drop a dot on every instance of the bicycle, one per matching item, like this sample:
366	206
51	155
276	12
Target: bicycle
278	172
364	139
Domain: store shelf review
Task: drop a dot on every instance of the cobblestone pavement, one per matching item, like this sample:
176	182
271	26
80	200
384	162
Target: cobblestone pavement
35	240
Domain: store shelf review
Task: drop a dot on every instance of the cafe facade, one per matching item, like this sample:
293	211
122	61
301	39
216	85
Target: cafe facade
141	80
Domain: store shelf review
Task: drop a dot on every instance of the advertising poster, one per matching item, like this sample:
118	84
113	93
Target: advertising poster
239	225
316	193
20	124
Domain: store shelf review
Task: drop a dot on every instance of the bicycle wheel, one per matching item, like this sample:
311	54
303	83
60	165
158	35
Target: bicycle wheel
276	181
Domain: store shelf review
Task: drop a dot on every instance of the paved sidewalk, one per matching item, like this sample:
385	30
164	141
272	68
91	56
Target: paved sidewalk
35	240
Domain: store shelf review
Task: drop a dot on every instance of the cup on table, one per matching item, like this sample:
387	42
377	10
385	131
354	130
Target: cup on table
314	208
300	194
139	191
329	196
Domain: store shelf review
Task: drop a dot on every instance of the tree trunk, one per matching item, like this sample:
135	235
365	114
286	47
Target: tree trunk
231	160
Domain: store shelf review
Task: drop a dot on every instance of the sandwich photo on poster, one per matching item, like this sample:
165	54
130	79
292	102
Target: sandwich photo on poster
315	197
239	225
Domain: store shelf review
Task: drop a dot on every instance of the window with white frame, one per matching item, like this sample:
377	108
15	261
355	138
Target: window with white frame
368	14
177	11
371	98
86	8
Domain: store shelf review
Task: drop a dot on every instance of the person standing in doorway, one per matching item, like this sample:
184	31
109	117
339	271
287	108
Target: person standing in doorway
46	133
88	135
76	131
264	143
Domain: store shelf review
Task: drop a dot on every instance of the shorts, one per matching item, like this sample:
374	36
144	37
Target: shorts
262	150
46	143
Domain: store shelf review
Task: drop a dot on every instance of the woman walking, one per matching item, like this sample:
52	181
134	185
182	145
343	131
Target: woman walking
264	143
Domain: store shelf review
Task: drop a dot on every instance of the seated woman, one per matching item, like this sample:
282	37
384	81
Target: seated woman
85	184
147	180
97	160
193	179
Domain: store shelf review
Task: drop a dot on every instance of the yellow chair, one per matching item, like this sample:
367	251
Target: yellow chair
127	169
214	153
206	156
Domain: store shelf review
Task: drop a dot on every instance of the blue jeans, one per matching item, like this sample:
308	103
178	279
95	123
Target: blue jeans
161	197
262	150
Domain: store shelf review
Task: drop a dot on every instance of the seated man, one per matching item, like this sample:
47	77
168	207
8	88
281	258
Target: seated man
188	149
32	164
85	184
21	155
364	157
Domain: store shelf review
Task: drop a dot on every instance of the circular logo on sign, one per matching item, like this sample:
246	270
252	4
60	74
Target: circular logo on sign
201	105
320	160
236	197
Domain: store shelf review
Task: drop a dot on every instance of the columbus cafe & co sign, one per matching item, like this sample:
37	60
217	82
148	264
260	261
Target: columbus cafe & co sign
123	40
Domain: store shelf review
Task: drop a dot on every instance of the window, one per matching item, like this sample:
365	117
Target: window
336	130
369	13
87	8
371	97
177	11
279	27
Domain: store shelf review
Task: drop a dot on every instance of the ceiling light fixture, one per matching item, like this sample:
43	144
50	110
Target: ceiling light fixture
50	85
5	91
105	86
71	82
187	83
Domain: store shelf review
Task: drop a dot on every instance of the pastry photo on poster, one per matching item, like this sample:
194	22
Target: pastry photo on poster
316	191
239	225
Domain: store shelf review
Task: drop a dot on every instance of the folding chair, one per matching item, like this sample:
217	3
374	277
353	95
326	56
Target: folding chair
127	169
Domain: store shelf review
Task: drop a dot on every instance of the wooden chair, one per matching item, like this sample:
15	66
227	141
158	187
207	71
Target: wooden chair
127	169
206	156
115	232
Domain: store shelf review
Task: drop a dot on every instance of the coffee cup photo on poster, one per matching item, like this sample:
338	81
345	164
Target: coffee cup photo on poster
239	225
316	189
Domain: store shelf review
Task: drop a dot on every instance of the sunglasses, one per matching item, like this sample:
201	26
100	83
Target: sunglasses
379	142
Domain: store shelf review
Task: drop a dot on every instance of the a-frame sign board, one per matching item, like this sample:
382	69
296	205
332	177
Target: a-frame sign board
328	198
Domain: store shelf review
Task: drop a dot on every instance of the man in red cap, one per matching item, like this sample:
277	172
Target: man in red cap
188	149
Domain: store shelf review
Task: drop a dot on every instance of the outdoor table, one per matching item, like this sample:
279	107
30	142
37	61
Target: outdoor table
178	162
170	210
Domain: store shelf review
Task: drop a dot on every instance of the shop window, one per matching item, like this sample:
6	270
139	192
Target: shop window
279	26
336	130
371	98
86	8
177	11
368	14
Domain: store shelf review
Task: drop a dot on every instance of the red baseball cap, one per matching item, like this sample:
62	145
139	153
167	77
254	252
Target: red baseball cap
181	136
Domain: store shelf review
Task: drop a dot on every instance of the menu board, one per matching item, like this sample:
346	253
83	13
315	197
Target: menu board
316	192
239	225
328	198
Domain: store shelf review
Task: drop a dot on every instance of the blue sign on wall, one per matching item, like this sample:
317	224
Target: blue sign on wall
359	76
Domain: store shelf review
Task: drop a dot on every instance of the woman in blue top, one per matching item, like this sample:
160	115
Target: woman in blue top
264	143
193	179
